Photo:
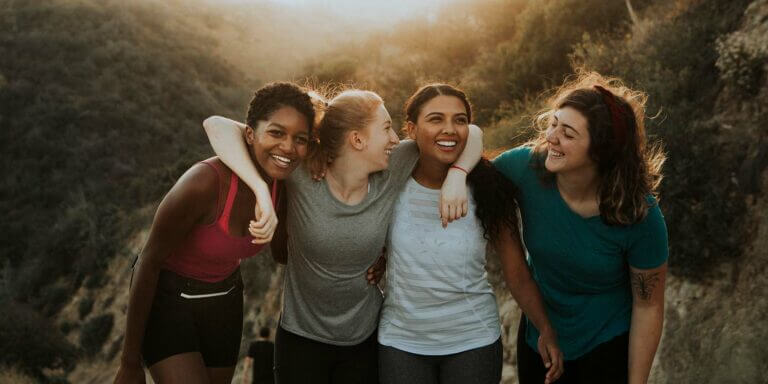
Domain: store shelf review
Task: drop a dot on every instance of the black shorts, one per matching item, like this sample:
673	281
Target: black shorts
194	316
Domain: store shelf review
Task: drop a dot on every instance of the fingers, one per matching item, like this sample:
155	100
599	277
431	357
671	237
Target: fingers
560	364
262	234
262	215
318	176
444	211
556	368
464	209
545	357
376	271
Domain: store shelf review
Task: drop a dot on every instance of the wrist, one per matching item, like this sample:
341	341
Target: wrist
456	168
547	330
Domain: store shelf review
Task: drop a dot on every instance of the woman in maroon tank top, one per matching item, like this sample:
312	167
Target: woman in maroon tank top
185	310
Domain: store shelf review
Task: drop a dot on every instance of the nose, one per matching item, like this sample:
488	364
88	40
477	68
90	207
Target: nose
393	137
449	128
552	135
288	145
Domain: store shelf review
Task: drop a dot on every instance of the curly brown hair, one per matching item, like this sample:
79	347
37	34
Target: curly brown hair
273	96
629	167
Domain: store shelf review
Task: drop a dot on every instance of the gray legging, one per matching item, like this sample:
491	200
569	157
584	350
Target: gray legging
475	366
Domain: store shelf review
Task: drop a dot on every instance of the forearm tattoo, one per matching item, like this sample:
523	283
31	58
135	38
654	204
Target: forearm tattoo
644	283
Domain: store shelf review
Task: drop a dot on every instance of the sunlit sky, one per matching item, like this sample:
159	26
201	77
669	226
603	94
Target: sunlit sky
375	11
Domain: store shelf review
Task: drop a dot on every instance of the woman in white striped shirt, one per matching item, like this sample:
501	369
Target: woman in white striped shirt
440	321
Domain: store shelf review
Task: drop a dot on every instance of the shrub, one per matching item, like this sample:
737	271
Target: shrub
84	307
741	60
30	342
95	332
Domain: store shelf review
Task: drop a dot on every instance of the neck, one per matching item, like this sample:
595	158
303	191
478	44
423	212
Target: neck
347	179
430	174
263	174
578	186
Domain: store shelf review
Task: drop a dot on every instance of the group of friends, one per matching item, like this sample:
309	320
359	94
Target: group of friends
572	215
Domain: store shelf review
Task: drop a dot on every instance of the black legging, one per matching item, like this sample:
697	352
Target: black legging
606	363
299	360
475	366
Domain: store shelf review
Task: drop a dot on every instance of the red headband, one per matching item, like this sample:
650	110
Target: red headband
618	117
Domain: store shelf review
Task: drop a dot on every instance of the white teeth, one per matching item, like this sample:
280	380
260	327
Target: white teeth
283	161
446	143
388	151
555	153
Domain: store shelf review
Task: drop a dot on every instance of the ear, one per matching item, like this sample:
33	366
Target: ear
357	140
250	135
410	130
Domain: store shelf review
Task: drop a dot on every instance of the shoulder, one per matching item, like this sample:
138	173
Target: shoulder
515	163
654	218
648	245
514	156
200	183
299	176
406	150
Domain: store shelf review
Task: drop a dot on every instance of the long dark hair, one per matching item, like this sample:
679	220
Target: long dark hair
494	194
629	169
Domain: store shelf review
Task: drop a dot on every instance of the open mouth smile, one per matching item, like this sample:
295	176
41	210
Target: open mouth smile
281	161
446	145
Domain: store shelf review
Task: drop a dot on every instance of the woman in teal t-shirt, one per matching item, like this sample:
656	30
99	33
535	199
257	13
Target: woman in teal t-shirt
594	231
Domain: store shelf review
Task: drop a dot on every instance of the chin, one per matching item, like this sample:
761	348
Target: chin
550	167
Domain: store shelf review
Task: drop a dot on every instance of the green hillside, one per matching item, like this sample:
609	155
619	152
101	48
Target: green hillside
100	110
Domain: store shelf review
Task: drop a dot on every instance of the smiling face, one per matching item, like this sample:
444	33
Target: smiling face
279	143
568	142
380	139
441	129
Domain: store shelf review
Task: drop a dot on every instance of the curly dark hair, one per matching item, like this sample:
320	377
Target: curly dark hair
273	96
629	167
495	199
494	194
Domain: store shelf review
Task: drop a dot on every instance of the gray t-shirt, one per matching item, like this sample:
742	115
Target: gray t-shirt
331	245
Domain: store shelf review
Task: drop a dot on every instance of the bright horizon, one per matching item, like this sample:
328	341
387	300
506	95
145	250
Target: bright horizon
377	13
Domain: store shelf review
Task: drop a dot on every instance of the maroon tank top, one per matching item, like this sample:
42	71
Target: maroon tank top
209	252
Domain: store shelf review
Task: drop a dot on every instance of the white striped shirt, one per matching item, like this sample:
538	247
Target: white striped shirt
438	299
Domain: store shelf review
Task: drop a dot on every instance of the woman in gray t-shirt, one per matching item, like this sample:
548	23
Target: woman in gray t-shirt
334	230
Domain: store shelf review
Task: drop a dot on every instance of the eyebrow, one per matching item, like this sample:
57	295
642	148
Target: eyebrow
442	114
278	125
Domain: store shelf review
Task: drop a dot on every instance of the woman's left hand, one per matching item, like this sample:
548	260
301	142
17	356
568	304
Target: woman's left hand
550	355
376	271
453	196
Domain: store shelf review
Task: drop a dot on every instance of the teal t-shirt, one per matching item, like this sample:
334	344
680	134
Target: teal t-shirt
580	264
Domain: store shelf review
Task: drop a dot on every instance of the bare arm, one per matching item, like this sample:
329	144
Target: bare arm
191	201
647	320
453	195
228	141
528	297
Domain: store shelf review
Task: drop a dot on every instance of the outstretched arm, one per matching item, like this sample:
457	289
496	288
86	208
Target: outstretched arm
647	320
228	141
528	297
453	195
